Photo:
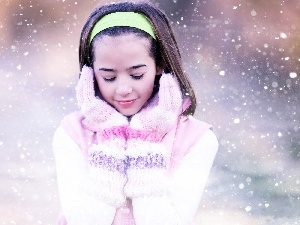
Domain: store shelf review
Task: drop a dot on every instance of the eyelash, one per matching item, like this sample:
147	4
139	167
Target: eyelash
109	79
135	77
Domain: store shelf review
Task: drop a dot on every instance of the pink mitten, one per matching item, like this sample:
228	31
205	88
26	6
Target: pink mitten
98	113
106	170
61	220
147	157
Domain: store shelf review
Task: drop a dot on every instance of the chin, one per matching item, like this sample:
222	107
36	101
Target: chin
127	113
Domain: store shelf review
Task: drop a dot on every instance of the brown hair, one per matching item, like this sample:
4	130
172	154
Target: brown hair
165	38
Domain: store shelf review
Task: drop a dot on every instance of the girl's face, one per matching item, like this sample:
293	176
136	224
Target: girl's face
124	71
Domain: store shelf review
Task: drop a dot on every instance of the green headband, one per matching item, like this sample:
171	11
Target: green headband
129	19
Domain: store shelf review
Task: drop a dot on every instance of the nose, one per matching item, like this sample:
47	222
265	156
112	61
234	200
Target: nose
123	89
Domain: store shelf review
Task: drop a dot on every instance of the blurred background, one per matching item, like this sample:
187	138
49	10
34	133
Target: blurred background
243	57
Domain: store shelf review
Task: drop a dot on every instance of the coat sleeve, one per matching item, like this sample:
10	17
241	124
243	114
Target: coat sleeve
71	168
186	188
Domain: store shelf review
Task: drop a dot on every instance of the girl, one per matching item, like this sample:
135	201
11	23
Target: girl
133	154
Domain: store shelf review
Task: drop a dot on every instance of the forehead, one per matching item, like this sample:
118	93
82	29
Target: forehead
124	42
120	39
121	50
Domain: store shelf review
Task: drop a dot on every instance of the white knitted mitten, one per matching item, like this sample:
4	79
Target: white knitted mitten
147	157
106	170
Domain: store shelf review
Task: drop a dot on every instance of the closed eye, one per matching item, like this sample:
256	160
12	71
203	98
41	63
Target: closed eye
137	77
109	79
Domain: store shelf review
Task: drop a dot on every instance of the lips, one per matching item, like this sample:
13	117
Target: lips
127	103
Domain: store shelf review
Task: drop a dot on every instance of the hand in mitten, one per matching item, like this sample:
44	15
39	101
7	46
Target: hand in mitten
98	113
147	157
106	177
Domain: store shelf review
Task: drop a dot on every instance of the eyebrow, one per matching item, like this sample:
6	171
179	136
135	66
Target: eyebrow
130	68
136	67
106	70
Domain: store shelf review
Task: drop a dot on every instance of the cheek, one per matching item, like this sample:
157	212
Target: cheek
99	84
104	89
147	88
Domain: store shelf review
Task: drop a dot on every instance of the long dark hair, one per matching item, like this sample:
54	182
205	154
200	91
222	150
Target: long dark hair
167	44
